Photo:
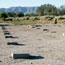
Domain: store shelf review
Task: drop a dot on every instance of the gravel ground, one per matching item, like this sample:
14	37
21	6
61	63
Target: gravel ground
47	47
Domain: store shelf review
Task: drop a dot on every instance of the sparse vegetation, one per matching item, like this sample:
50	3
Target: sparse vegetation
47	14
47	9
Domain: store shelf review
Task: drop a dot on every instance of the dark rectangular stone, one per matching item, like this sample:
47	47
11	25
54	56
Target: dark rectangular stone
12	43
18	55
45	30
6	33
8	37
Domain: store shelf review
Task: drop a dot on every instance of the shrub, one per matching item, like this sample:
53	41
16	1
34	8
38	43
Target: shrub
3	15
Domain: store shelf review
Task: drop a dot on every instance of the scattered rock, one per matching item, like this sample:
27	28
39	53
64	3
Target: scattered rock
38	25
31	63
53	32
45	30
38	28
0	61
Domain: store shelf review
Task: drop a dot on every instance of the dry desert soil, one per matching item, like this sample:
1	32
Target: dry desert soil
46	44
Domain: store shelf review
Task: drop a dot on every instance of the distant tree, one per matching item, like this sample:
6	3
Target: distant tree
33	14
20	14
47	9
62	10
27	14
40	10
3	15
11	14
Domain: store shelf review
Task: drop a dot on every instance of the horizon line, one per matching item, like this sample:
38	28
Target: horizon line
29	6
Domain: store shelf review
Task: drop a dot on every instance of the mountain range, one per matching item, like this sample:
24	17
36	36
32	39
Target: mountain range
25	10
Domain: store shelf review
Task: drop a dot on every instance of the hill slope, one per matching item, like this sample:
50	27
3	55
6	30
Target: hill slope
20	9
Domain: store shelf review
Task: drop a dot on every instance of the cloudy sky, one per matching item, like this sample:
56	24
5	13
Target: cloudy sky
28	3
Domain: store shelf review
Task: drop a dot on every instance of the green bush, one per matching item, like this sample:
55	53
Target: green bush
3	15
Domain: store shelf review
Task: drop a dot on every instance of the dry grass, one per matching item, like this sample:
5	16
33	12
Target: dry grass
32	20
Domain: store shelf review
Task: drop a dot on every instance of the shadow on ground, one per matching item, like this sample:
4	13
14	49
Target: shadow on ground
31	57
36	57
15	43
9	36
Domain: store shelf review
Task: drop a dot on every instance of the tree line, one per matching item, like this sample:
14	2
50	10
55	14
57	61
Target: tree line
11	14
18	14
48	9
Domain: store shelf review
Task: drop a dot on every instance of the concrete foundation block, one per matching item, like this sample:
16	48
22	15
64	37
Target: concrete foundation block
18	55
12	43
6	33
3	28
38	25
8	36
53	32
45	30
37	28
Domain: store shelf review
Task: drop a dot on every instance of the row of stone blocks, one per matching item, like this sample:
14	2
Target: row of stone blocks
18	55
14	55
7	33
